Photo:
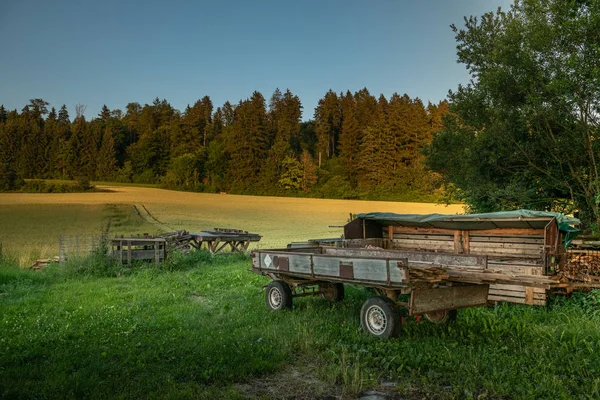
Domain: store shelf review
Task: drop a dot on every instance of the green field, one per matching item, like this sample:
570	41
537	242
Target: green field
198	327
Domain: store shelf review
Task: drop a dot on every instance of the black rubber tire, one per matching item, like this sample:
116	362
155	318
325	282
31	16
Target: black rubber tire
441	317
335	291
379	317
278	296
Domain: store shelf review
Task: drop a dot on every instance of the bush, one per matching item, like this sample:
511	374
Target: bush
145	177
9	179
83	183
337	188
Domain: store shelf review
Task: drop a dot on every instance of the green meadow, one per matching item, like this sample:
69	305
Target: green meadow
198	327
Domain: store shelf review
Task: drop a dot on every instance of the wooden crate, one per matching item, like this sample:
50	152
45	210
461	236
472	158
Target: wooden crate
129	249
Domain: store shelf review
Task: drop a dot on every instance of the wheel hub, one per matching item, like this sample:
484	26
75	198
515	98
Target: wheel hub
376	320
275	298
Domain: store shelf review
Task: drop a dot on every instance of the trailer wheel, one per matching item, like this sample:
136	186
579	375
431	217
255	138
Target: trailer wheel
332	292
278	295
441	317
379	317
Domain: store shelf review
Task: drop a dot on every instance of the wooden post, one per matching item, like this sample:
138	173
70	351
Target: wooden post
156	252
466	242
457	242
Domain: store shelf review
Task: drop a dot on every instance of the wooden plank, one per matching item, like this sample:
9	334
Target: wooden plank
457	275
517	294
508	232
516	261
516	288
480	232
414	229
529	295
508	252
423	244
450	298
501	239
515	300
516	270
496	245
422	237
446	259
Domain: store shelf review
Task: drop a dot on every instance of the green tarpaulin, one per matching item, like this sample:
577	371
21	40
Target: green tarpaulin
502	219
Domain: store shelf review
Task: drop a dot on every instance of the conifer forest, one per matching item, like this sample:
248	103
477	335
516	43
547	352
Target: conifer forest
356	146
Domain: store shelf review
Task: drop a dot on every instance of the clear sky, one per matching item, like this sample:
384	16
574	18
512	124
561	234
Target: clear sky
115	52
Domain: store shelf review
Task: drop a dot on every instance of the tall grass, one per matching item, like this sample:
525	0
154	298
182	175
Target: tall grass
197	327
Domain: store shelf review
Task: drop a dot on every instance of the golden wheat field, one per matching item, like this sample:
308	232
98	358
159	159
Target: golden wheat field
31	223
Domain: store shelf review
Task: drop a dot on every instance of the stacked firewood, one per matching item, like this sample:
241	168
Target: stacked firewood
584	267
178	241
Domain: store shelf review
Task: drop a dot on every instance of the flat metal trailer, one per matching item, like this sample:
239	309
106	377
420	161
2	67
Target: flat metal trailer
422	276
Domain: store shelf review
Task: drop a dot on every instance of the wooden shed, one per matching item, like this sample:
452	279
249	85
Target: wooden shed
521	242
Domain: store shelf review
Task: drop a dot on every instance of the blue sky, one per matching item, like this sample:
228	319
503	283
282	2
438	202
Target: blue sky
116	52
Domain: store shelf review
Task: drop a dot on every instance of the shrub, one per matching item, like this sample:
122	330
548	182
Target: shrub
83	183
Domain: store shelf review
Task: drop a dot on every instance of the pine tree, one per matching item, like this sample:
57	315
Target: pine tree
309	172
9	147
3	114
328	118
285	111
291	174
247	141
51	115
63	115
366	108
376	153
107	163
350	138
104	114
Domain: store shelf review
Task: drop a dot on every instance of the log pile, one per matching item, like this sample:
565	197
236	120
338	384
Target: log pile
177	241
581	267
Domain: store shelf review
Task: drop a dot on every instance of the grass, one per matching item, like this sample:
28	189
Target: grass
197	327
32	222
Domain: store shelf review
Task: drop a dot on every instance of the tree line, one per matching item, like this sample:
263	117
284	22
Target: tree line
356	145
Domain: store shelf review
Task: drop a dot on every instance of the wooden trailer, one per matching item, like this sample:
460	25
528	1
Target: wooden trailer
517	243
427	265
